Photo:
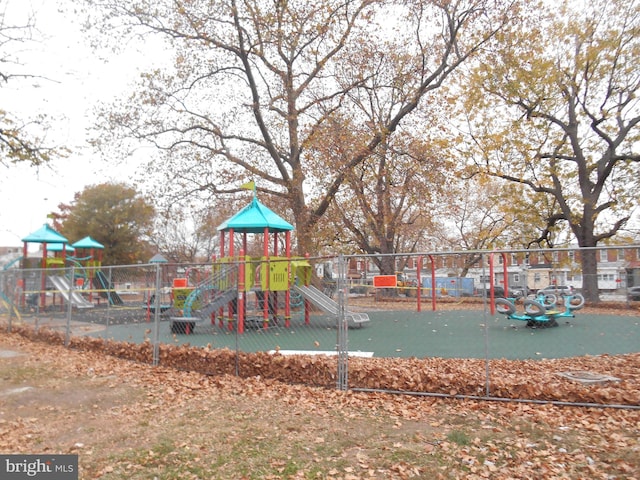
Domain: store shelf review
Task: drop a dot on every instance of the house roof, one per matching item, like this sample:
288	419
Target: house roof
254	218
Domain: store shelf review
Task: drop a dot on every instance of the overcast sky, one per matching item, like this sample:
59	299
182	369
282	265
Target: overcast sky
75	81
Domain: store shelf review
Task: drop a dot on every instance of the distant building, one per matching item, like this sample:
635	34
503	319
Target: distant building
618	268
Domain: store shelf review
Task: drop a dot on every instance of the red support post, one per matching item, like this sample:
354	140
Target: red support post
267	278
241	292
222	254
307	304
274	307
287	294
230	308
492	307
433	282
419	286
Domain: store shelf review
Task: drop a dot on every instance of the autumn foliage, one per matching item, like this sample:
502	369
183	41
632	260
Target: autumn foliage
536	380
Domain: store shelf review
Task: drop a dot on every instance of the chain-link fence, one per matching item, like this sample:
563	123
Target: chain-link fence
509	324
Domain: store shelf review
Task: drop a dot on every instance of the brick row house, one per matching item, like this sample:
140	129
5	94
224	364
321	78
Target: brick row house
618	268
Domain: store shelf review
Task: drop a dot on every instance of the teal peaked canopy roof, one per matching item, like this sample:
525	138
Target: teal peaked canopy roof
88	242
46	234
254	218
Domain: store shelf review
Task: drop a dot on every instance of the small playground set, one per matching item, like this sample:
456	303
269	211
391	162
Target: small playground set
86	284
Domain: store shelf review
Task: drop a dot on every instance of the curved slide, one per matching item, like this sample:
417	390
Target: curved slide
11	263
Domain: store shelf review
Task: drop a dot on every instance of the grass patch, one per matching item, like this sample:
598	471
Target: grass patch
459	438
23	374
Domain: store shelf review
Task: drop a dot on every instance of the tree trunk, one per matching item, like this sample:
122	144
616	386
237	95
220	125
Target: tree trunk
584	232
387	265
302	219
304	240
589	263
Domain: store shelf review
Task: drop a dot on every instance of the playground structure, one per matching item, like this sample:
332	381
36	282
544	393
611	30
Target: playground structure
224	294
235	290
542	310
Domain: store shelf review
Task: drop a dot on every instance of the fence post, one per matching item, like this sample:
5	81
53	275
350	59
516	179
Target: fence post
108	295
343	328
67	335
487	363
156	319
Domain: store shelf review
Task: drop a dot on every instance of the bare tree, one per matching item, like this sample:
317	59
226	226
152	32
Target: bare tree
475	216
185	234
386	203
252	83
21	139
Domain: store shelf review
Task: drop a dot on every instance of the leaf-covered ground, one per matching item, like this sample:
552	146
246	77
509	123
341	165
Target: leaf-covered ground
130	420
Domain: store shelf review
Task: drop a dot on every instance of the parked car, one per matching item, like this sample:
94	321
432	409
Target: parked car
498	292
634	293
557	290
518	292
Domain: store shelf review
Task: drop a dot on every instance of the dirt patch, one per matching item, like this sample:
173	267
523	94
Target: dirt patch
51	407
